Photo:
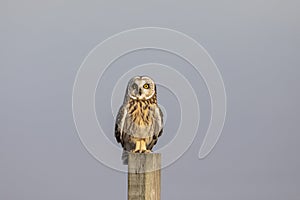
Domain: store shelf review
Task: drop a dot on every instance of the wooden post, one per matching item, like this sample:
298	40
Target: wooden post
144	176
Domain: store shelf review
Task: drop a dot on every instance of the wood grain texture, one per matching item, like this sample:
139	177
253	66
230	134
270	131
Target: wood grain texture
144	176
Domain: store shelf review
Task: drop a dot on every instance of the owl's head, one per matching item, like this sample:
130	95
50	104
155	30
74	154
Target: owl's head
141	88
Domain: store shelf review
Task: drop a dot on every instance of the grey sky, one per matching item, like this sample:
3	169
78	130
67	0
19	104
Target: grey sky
255	45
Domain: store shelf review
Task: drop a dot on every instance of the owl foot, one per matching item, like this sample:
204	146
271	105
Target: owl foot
140	147
146	151
143	147
137	147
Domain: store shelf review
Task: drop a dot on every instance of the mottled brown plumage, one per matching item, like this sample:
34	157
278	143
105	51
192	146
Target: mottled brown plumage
139	122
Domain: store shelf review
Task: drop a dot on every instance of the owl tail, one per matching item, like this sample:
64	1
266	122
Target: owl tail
125	157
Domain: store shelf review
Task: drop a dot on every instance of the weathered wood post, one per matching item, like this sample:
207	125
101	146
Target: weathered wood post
144	176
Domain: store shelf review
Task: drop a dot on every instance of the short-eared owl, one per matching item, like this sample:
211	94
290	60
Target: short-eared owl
139	122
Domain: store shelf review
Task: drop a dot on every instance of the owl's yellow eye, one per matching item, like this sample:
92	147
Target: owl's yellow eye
146	86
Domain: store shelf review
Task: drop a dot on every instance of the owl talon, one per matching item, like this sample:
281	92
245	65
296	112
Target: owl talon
145	151
143	147
137	147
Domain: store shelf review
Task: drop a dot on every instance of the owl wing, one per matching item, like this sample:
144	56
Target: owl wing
160	122
120	121
157	127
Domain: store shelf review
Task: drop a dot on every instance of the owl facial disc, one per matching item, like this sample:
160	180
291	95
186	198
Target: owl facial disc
141	88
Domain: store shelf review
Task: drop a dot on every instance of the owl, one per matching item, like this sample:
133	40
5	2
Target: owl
139	122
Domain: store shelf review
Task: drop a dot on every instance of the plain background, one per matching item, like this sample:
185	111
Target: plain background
255	44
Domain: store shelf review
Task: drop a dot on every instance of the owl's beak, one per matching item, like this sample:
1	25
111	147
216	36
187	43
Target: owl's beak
140	91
